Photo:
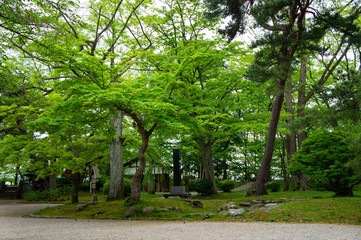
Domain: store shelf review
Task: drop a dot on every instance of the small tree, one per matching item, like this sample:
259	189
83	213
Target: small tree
324	158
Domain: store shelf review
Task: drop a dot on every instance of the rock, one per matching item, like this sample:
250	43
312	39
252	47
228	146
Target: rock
271	205
80	207
254	202
131	212
148	209
284	200
163	209
175	209
245	204
235	212
316	197
233	206
224	212
224	207
194	203
256	206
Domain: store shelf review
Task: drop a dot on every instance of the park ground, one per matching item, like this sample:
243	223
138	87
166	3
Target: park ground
15	227
297	207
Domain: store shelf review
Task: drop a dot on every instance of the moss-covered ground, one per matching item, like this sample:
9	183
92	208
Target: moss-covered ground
303	207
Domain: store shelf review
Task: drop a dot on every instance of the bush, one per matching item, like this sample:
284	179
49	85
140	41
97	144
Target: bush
324	158
192	185
226	185
204	187
127	189
274	186
31	196
84	187
47	195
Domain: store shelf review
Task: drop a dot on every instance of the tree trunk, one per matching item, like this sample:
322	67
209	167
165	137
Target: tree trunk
225	169
302	100
286	177
137	177
302	134
116	183
207	162
75	183
52	182
264	171
290	139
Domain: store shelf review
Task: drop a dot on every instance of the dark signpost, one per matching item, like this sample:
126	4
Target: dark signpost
176	167
177	189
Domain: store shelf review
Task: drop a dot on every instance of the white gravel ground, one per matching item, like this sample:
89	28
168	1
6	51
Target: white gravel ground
13	226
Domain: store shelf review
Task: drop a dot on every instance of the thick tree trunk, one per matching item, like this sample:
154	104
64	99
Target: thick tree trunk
136	187
207	162
264	171
75	183
290	139
116	184
302	100
52	182
302	134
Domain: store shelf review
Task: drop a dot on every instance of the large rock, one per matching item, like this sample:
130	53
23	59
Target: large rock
80	207
194	203
271	205
131	212
256	206
235	212
175	209
245	204
224	207
227	206
148	209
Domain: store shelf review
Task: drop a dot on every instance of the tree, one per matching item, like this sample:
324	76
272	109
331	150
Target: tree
284	22
324	158
286	32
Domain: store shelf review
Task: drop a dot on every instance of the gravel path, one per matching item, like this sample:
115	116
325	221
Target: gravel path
13	226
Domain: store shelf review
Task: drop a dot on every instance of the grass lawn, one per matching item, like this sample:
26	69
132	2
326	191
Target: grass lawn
302	208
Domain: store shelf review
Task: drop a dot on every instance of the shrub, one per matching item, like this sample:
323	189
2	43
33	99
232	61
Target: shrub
226	185
31	196
47	195
325	158
84	187
127	189
106	188
274	186
192	185
204	187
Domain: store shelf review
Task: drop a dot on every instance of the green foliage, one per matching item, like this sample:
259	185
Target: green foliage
127	189
324	158
58	194
274	186
204	187
192	185
226	185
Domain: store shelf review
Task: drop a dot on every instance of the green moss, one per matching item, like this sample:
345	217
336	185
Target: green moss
303	208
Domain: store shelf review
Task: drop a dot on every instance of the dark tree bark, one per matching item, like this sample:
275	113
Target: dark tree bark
207	170
264	171
75	183
52	182
136	188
